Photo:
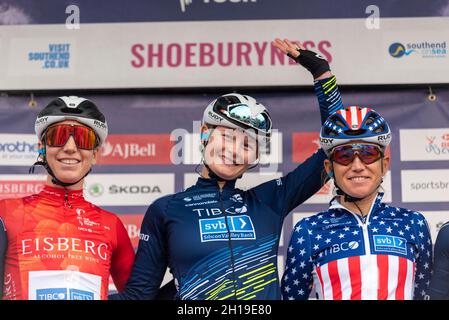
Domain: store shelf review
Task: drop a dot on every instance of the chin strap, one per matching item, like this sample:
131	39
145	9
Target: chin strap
54	179
348	197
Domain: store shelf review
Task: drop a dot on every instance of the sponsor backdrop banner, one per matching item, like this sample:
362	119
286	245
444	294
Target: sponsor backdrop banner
139	162
163	44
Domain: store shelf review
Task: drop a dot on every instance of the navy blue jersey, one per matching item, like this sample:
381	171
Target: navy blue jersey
439	286
223	243
385	255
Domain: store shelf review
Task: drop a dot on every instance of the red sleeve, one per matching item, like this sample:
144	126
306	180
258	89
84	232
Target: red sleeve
122	258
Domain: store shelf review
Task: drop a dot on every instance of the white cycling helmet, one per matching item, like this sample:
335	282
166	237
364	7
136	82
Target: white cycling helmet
239	111
72	108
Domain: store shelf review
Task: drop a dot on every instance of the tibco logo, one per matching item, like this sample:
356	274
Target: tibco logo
344	246
185	3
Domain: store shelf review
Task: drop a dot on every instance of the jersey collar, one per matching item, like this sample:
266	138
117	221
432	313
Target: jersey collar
213	183
60	193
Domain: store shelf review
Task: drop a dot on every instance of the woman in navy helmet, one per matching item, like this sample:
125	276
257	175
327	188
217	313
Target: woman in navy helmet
360	248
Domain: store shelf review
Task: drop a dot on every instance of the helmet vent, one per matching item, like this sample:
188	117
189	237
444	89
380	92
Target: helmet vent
355	132
379	129
71	110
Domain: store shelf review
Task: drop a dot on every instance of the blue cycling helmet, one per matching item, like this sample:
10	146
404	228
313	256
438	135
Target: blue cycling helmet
354	123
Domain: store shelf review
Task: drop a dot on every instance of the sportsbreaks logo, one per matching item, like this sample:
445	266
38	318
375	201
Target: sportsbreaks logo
136	149
59	248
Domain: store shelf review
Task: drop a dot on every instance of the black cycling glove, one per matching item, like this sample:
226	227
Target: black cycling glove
312	61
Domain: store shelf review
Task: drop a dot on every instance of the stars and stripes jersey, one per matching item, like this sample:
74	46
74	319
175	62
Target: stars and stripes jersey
385	255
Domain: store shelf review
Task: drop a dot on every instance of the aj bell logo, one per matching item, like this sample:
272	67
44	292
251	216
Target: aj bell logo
128	150
185	3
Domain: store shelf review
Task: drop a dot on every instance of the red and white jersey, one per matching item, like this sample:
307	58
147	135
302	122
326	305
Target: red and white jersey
368	277
61	247
386	255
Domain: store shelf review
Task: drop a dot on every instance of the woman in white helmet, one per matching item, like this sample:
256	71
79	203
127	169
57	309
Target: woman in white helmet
61	247
218	241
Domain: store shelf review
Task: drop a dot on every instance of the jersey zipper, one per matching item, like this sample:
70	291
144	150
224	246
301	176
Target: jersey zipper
364	225
229	241
66	199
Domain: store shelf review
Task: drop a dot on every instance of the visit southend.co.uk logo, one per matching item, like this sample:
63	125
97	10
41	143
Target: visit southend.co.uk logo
425	49
56	56
185	3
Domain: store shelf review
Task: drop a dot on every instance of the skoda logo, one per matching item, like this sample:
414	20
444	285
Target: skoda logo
96	190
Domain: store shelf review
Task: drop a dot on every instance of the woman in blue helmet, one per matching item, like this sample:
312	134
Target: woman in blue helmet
360	248
218	241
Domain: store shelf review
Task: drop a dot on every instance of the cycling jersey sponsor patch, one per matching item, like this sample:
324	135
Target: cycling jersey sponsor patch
214	229
63	294
63	285
390	244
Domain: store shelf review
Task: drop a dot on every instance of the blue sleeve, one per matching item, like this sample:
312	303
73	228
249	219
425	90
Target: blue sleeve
3	246
328	96
151	258
297	280
439	285
286	193
424	257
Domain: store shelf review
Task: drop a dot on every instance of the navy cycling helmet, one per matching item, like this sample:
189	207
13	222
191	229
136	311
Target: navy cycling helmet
354	123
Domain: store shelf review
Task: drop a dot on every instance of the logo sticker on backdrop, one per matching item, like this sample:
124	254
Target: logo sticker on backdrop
136	149
425	49
18	149
425	185
57	56
132	223
431	144
17	186
128	189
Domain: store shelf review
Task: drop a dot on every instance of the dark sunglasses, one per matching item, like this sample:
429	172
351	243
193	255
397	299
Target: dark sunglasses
367	153
58	135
